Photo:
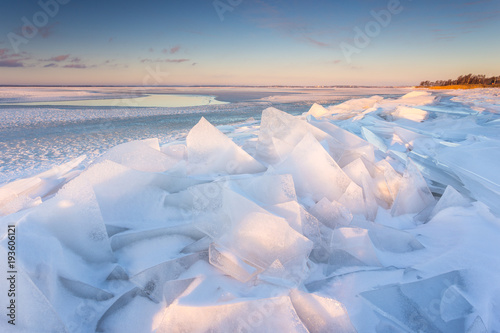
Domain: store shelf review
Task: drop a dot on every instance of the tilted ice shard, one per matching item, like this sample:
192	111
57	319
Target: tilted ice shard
84	290
450	198
130	237
74	217
356	242
117	306
29	192
338	259
142	155
261	238
32	312
390	239
284	127
331	214
211	152
413	114
357	171
317	110
198	246
417	305
231	264
374	139
454	305
414	194
152	280
320	314
353	199
268	315
291	211
310	158
118	273
267	189
174	288
472	163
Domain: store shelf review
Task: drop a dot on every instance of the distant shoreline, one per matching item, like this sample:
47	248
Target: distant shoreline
460	86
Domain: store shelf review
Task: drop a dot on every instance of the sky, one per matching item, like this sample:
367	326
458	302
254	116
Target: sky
246	42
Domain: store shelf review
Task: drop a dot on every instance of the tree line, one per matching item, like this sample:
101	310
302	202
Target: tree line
464	80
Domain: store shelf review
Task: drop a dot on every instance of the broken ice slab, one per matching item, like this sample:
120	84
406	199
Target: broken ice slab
417	306
454	305
356	242
387	182
126	196
317	111
34	312
259	236
132	312
477	326
389	239
211	152
310	158
113	229
232	264
472	163
119	304
267	189
414	194
84	290
268	315
126	238
286	128
74	217
29	192
450	198
331	214
413	114
153	279
358	172
353	199
174	288
143	155
348	139
321	314
197	246
118	273
374	139
338	259
438	174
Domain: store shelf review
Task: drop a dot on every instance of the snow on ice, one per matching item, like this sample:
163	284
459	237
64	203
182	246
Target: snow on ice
373	215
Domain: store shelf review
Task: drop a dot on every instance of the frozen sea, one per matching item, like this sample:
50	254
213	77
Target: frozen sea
250	210
43	127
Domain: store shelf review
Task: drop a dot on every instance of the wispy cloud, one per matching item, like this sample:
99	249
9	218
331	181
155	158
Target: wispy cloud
11	63
176	60
3	51
75	66
175	49
267	16
47	30
51	65
76	59
165	60
172	50
58	58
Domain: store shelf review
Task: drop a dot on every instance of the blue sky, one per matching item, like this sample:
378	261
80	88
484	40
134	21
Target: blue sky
245	42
